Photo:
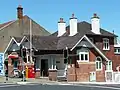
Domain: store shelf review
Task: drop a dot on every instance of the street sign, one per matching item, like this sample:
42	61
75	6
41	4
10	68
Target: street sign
1	63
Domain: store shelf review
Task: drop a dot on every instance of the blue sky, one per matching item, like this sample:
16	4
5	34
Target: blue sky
48	12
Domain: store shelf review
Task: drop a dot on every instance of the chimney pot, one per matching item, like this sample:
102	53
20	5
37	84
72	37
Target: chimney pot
95	14
19	12
61	20
73	15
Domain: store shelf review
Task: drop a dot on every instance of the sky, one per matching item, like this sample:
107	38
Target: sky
47	12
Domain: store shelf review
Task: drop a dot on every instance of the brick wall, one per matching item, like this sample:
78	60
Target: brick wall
53	75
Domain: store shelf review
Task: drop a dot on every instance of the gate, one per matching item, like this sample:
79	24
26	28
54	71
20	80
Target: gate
92	76
61	75
116	76
109	76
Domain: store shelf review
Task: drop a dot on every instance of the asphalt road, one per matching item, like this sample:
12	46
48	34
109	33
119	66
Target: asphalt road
56	87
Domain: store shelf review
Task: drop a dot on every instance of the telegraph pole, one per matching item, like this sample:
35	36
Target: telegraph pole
23	66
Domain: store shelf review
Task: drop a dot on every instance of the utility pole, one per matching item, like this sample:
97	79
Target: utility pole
23	66
31	41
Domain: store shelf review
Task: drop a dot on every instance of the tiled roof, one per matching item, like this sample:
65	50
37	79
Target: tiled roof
2	25
53	42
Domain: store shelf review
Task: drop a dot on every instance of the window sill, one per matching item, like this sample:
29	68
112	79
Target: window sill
52	69
117	53
106	49
98	69
82	61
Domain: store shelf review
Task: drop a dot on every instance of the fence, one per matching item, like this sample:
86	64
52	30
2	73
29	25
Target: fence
112	76
116	76
61	73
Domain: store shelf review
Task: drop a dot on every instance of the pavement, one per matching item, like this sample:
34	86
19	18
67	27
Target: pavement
45	84
54	87
48	82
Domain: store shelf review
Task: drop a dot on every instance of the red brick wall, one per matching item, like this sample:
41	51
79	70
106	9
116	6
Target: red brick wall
53	75
109	53
82	72
100	76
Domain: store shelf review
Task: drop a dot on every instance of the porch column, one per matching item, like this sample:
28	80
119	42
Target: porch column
53	70
37	65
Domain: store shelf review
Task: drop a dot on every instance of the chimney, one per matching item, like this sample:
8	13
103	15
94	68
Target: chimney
61	27
73	25
19	12
95	22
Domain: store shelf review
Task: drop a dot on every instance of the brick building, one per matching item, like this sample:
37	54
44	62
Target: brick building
79	52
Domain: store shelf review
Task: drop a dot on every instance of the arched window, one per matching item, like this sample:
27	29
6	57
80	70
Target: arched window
98	63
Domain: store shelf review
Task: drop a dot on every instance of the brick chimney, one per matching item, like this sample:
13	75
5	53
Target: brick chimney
19	12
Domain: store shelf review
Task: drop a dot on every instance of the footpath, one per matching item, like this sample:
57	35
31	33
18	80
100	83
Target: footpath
48	82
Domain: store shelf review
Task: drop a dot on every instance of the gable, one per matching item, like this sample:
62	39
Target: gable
12	45
84	43
87	39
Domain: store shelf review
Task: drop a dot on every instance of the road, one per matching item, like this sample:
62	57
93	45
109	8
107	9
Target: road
57	87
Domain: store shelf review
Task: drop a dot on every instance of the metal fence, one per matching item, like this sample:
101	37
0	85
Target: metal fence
112	76
61	73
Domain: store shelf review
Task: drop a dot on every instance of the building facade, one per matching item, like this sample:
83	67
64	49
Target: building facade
78	52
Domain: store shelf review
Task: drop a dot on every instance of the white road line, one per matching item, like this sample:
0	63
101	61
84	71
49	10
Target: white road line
8	86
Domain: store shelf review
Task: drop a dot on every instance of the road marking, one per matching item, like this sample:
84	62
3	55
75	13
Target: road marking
9	86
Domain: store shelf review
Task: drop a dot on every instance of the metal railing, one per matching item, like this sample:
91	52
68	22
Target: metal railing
61	73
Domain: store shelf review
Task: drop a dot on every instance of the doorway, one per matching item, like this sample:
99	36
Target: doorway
44	67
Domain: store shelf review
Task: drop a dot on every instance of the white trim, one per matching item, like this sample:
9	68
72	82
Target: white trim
83	53
12	39
7	25
106	40
107	67
99	63
24	37
77	43
92	45
52	69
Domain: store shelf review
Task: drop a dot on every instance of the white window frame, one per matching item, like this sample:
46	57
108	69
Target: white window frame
83	53
52	64
116	51
106	41
109	65
99	63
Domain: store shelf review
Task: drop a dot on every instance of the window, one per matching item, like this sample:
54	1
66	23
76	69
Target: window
84	56
52	64
117	50
98	63
109	65
106	44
